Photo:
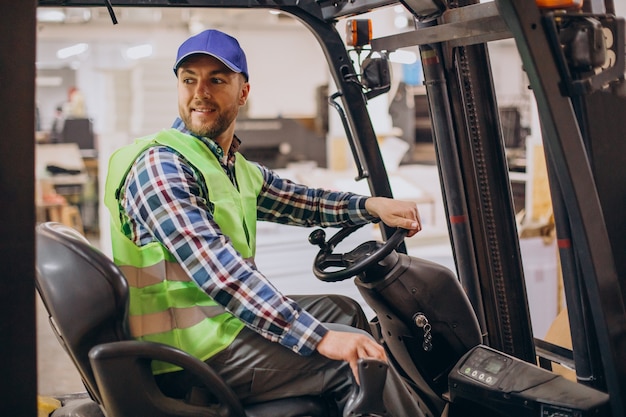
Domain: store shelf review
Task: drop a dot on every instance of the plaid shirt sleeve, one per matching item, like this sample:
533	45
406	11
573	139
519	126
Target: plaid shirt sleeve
165	200
283	201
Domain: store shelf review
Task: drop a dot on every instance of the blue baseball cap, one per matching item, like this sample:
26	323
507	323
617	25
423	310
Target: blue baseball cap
216	44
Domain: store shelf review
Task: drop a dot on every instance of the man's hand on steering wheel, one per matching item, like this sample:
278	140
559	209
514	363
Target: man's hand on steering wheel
395	213
330	266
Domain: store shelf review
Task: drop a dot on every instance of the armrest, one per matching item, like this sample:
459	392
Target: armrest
367	398
124	376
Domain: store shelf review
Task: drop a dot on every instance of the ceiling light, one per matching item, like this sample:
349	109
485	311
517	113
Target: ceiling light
73	50
139	51
46	15
401	21
77	15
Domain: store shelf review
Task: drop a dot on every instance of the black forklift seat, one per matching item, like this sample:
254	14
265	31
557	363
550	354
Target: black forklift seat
86	297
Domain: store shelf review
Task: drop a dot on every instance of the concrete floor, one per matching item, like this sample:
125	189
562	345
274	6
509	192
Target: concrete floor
56	374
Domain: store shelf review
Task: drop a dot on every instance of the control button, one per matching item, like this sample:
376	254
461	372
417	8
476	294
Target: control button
481	376
474	374
467	370
489	380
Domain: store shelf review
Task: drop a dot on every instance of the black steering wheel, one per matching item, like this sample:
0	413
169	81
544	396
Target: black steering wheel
351	263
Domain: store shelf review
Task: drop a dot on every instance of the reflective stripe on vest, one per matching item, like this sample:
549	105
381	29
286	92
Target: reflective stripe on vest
172	318
166	318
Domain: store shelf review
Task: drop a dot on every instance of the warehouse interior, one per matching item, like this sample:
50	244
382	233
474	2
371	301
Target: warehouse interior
99	86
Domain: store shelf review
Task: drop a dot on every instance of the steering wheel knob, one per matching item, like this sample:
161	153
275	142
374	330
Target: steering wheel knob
318	237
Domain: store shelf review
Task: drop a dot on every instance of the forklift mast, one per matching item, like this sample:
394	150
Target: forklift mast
573	55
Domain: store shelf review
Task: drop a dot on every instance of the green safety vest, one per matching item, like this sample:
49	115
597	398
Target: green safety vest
166	306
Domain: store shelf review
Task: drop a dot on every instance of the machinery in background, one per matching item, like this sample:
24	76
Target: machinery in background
277	142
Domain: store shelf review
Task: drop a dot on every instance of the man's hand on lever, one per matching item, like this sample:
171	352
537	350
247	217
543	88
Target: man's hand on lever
350	347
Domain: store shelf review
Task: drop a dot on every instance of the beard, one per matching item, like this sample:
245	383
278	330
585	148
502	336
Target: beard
214	128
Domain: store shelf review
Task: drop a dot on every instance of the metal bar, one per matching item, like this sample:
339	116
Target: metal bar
173	3
478	198
582	333
555	353
571	166
312	7
152	3
361	171
452	185
18	383
354	103
469	25
490	205
328	10
610	6
333	10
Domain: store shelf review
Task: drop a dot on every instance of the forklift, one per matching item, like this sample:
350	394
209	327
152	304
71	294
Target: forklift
573	52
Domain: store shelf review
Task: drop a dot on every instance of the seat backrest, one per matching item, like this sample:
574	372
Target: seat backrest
84	292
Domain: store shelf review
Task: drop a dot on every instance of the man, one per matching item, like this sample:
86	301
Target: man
184	207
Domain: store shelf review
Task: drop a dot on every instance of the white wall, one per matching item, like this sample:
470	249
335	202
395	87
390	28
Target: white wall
285	68
286	65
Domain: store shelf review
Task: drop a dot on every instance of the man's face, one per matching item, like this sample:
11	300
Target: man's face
209	97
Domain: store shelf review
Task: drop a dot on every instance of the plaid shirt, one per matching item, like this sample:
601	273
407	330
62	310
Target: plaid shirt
166	199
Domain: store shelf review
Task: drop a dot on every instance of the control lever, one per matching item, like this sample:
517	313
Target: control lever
367	398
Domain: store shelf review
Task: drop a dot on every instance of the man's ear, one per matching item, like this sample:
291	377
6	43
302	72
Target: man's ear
243	94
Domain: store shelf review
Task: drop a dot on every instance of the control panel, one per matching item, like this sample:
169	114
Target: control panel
516	388
485	366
